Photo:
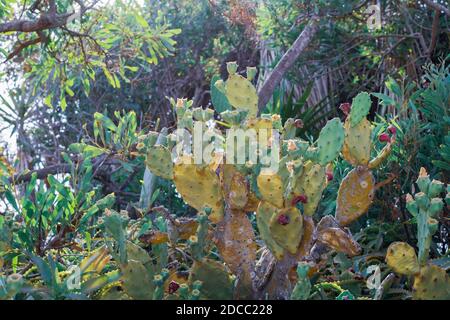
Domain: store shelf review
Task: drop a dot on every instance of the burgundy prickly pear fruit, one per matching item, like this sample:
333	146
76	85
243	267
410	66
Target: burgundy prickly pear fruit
392	130
173	287
384	137
345	108
330	176
298	123
283	220
301	198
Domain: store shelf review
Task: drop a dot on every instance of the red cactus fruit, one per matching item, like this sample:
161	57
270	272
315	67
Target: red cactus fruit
329	176
173	287
392	130
301	198
384	137
298	123
283	219
345	108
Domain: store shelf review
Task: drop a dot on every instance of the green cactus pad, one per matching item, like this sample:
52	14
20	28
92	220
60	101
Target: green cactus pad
264	214
241	94
288	236
217	284
358	143
311	184
330	141
159	161
360	108
218	99
402	258
137	282
355	195
432	283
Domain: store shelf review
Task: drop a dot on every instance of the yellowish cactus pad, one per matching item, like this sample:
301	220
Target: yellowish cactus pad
159	161
402	258
288	235
339	240
263	216
355	195
357	143
432	283
199	187
270	186
242	94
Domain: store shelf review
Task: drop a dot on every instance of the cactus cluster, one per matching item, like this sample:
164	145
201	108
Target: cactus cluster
430	281
356	191
284	198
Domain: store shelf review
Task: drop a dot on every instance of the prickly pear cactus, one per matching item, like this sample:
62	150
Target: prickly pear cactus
159	161
240	92
431	282
302	288
286	228
355	195
199	187
284	197
330	142
217	284
425	207
264	214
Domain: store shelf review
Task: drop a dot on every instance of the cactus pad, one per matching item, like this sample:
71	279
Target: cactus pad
242	94
360	108
287	235
159	161
375	163
432	283
199	187
330	141
271	188
339	240
136	281
217	284
402	258
357	144
263	216
354	196
311	184
218	99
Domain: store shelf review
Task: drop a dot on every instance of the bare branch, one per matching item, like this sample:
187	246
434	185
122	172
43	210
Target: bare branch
286	62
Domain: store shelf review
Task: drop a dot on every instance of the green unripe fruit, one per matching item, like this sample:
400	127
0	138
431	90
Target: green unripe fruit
411	205
195	295
232	67
422	200
197	285
251	73
435	188
436	206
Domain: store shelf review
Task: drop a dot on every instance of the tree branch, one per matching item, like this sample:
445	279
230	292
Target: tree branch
437	6
286	62
44	22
